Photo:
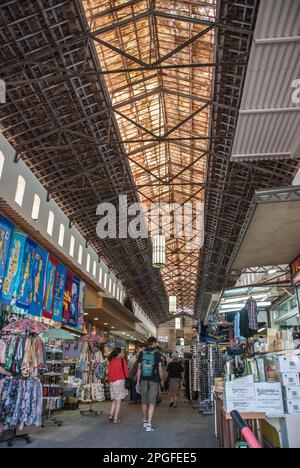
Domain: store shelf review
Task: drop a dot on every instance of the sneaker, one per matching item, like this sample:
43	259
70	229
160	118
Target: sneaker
145	424
150	428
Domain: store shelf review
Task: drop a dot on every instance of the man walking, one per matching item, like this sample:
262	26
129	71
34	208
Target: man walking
150	374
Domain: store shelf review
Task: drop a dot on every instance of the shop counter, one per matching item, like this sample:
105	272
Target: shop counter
226	431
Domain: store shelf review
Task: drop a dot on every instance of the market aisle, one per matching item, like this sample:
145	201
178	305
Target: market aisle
183	427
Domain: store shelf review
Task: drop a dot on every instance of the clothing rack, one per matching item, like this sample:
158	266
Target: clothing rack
50	420
91	411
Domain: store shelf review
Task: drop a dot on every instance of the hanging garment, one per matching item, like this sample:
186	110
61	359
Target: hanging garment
67	297
39	282
252	309
51	275
81	302
13	268
21	403
6	230
26	281
245	330
73	318
59	293
237	331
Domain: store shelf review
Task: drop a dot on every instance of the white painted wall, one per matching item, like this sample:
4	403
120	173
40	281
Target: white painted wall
8	184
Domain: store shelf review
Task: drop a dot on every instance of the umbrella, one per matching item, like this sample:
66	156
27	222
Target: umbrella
60	334
25	325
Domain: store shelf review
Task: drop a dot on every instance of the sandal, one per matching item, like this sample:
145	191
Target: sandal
116	421
111	418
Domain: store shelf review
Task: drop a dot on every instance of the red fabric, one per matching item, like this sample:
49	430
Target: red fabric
115	370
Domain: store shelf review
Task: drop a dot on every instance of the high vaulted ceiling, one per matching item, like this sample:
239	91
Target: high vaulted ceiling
163	113
86	78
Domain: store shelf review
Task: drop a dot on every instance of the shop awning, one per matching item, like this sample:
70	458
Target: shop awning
108	313
269	115
271	234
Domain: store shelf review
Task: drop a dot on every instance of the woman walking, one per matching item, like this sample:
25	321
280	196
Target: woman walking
117	374
175	374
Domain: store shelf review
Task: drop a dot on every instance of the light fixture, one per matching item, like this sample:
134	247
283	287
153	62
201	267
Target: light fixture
85	313
96	318
158	251
177	323
123	333
112	327
172	304
105	323
272	271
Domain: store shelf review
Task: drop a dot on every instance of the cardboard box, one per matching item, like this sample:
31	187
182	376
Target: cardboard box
288	363
291	393
242	406
268	397
239	392
290	379
292	406
245	381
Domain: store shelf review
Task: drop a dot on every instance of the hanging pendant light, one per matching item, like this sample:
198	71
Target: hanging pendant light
177	323
159	251
172	304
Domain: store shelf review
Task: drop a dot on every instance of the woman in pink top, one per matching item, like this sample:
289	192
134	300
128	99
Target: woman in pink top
117	374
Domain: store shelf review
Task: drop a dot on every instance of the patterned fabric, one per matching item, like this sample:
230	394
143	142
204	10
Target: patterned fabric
6	229
26	282
252	309
51	275
59	293
13	268
39	283
117	390
21	402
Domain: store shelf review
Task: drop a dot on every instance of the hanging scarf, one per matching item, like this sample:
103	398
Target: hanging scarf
13	268
73	319
6	229
68	297
26	282
51	275
59	293
39	277
81	302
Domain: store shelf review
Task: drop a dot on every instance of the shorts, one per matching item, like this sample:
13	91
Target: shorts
174	387
149	391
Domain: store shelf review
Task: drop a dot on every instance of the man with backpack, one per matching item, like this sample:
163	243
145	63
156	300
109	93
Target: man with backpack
150	374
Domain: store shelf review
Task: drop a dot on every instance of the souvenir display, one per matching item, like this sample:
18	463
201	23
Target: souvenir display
26	281
51	275
13	267
82	291
39	277
59	293
67	297
73	318
6	229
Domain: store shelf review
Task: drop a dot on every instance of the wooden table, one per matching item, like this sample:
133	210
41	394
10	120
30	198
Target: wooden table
227	432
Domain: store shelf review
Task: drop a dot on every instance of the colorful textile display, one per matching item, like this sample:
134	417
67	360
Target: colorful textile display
26	279
6	230
39	277
51	274
68	297
81	303
13	268
21	403
20	355
73	319
59	293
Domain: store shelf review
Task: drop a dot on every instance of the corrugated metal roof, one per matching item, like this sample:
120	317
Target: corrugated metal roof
269	121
